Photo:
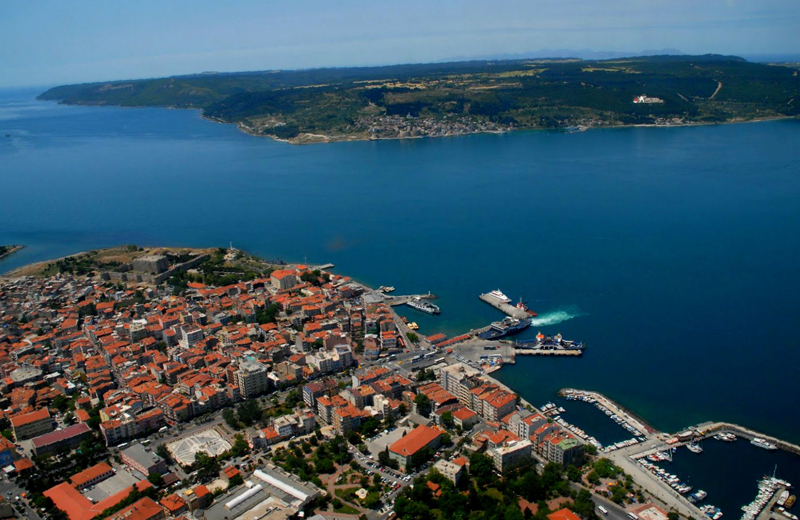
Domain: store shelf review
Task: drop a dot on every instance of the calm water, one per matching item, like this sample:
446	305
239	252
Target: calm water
672	252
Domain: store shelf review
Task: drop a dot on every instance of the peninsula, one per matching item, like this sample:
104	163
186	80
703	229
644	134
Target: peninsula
9	250
446	99
163	380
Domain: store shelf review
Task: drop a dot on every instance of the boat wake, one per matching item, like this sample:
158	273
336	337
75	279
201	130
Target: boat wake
555	317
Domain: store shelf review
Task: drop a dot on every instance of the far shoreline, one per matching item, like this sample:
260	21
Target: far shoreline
355	138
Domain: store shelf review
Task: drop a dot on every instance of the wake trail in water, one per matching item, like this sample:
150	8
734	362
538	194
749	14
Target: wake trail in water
555	317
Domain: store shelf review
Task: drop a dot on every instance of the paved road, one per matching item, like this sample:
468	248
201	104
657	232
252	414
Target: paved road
22	505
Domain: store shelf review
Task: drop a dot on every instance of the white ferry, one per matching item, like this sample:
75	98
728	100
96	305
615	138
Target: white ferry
500	296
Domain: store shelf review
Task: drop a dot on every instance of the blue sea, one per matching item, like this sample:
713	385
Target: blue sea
672	252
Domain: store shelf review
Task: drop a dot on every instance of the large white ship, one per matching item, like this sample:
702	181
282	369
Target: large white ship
500	296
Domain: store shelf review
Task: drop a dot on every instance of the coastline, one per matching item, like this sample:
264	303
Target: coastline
355	138
325	139
34	269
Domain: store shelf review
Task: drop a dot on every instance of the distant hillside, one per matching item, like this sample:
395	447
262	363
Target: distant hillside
466	97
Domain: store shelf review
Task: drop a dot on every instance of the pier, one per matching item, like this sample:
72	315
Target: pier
547	352
504	307
394	301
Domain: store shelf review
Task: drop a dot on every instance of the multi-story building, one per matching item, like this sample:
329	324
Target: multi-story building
459	380
68	438
510	455
451	471
29	425
562	448
251	378
143	460
283	279
346	419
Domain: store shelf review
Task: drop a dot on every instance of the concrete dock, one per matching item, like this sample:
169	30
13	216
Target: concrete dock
394	301
547	352
504	307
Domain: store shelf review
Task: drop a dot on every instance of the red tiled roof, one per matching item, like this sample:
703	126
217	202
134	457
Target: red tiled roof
81	478
28	418
143	509
56	436
420	437
78	507
563	514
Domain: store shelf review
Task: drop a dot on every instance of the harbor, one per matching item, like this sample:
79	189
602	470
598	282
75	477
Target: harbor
502	303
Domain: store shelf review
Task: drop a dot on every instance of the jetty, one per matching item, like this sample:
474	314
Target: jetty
547	352
394	301
504	307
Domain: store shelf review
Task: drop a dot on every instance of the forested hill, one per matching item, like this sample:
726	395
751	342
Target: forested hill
466	97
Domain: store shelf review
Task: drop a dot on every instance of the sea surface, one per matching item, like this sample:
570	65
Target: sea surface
674	253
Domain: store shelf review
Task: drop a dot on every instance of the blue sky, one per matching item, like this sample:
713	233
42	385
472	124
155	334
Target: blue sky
55	42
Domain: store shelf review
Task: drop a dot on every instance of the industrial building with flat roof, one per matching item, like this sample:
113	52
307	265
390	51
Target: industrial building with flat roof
143	460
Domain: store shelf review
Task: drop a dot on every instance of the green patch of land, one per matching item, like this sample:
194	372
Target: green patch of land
431	100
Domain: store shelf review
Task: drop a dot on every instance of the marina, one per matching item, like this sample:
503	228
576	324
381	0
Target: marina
713	459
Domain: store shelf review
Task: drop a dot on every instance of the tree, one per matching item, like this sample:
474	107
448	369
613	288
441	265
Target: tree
163	452
61	403
605	468
402	410
447	419
573	473
292	398
426	375
240	446
412	337
370	426
481	467
156	479
423	404
673	515
249	412
386	460
593	477
336	503
325	466
230	418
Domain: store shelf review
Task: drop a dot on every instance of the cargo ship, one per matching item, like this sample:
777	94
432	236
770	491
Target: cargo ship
423	306
499	329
